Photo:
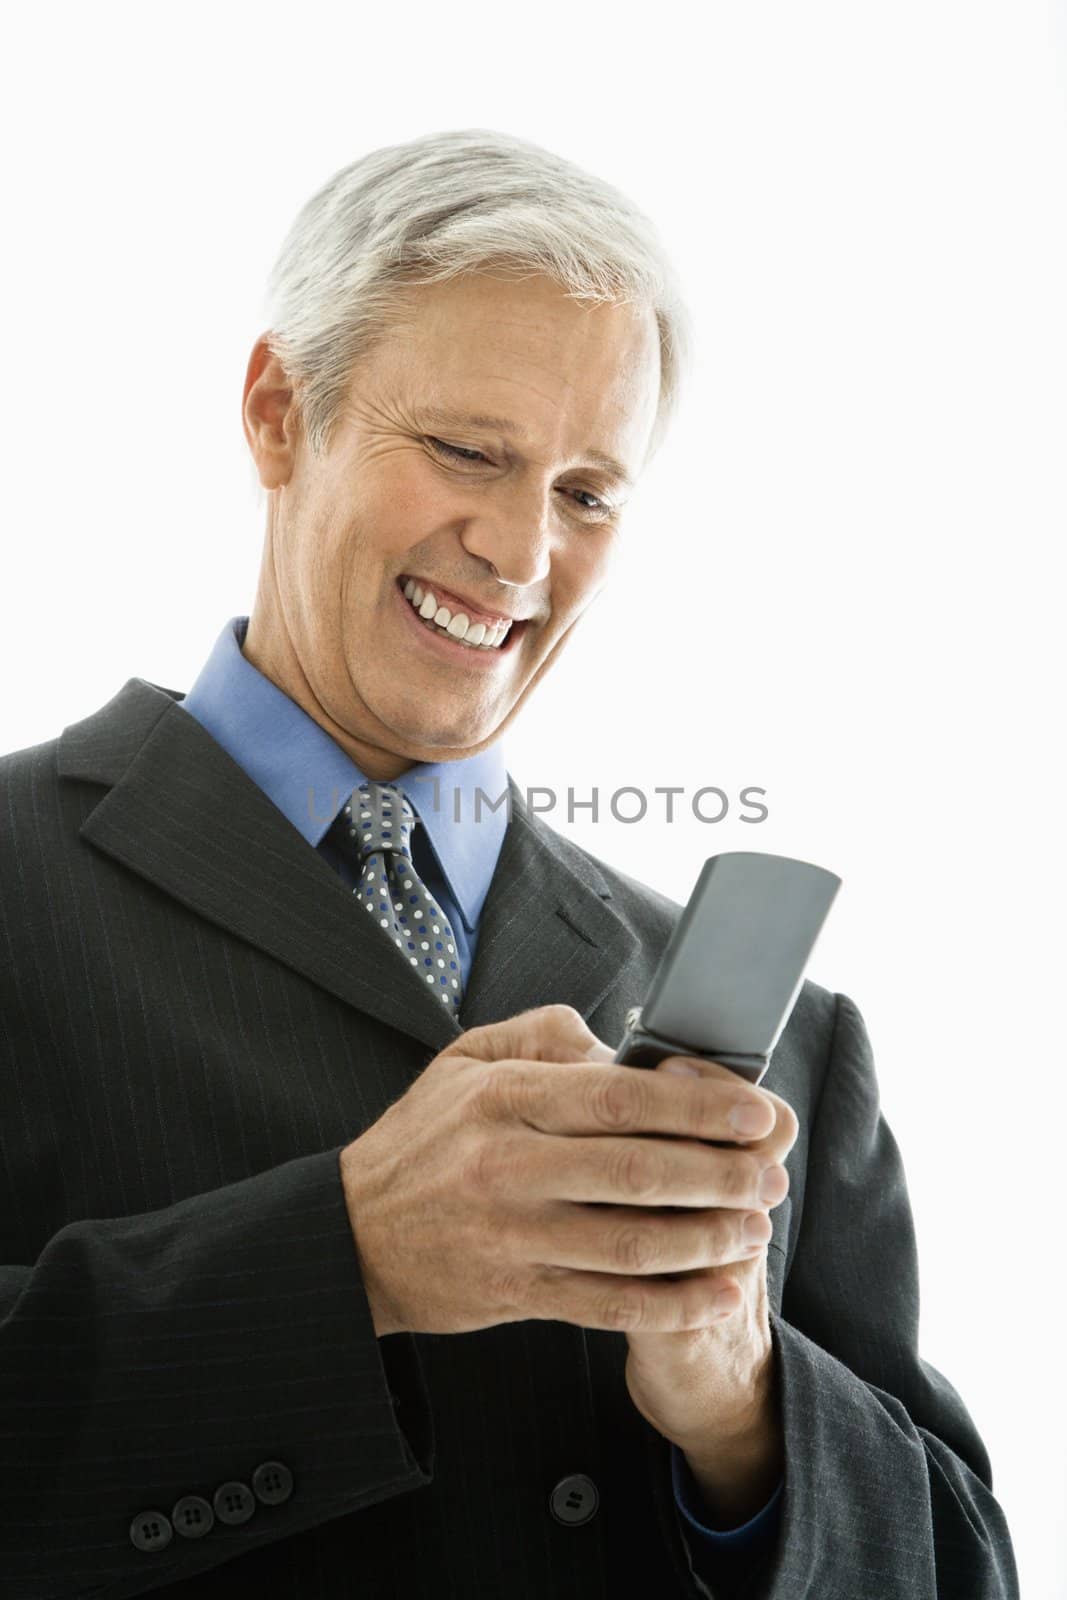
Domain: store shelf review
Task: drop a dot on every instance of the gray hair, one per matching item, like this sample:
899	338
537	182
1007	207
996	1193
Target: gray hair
445	204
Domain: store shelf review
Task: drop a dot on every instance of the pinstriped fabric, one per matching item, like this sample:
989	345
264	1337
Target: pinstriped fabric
188	1037
181	1259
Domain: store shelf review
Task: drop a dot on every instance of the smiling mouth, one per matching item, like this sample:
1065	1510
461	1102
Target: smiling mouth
446	614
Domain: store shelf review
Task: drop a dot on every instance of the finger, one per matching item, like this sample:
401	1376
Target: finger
640	1172
622	1239
756	1112
772	1120
634	1305
577	1098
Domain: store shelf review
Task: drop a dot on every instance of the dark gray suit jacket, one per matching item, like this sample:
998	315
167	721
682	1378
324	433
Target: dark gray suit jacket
194	1020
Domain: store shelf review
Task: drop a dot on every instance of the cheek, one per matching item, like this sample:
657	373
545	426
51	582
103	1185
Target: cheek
579	572
401	501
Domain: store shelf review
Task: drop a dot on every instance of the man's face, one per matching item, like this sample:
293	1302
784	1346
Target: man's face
520	525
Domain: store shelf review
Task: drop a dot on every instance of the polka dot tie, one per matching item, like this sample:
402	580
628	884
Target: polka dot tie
379	820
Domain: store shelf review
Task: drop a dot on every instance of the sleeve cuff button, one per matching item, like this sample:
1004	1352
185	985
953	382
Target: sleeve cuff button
272	1482
234	1502
151	1530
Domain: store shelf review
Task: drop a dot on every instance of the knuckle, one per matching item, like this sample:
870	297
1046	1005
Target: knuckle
730	1241
493	1092
692	1110
470	1042
612	1099
623	1312
568	1012
505	1092
636	1170
506	1286
633	1250
561	1015
741	1176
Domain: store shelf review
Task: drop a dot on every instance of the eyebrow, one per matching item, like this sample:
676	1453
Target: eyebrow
445	417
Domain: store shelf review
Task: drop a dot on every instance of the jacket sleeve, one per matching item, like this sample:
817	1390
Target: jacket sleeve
148	1359
888	1486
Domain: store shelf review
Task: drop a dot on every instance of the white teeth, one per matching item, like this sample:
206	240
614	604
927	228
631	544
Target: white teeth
477	635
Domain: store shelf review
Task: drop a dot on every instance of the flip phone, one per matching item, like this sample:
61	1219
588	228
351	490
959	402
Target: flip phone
731	973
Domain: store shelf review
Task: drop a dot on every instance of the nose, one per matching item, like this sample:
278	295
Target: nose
515	540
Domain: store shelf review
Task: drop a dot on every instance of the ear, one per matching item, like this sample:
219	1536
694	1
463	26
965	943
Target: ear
269	416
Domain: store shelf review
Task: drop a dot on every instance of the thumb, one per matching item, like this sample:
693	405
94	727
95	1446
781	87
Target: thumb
678	1068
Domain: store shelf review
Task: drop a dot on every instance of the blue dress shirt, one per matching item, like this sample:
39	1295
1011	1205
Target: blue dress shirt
310	778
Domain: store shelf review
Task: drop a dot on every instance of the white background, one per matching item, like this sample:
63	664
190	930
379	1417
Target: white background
840	577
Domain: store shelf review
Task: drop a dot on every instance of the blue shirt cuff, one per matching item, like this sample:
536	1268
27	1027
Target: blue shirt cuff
757	1531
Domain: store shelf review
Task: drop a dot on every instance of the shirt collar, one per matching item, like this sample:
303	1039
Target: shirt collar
309	777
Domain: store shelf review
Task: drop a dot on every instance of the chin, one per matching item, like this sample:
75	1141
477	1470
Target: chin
426	721
446	740
452	744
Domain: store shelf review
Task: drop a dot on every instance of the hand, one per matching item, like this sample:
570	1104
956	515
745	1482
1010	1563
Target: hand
482	1195
710	1388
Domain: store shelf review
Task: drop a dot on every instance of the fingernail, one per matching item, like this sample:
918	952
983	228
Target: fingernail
756	1228
773	1185
678	1069
749	1118
600	1052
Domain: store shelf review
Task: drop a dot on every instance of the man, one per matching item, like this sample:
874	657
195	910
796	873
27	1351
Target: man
342	1260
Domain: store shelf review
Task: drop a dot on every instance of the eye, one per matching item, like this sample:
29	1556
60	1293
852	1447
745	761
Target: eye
464	453
598	504
457	450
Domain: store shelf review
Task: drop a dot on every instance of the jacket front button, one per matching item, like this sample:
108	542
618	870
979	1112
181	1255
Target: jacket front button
151	1530
234	1502
574	1499
272	1482
192	1517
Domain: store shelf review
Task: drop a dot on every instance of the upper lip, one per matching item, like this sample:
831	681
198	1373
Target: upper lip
474	605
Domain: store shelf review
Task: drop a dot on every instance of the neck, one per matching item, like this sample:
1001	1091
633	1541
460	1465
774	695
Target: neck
269	649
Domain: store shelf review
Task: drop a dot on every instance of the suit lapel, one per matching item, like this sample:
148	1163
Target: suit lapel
182	814
548	933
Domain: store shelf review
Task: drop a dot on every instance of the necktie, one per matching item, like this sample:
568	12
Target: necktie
378	821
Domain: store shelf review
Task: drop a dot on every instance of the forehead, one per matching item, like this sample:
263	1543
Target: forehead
525	360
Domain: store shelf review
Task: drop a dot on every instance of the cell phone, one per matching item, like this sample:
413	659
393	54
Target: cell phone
731	973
